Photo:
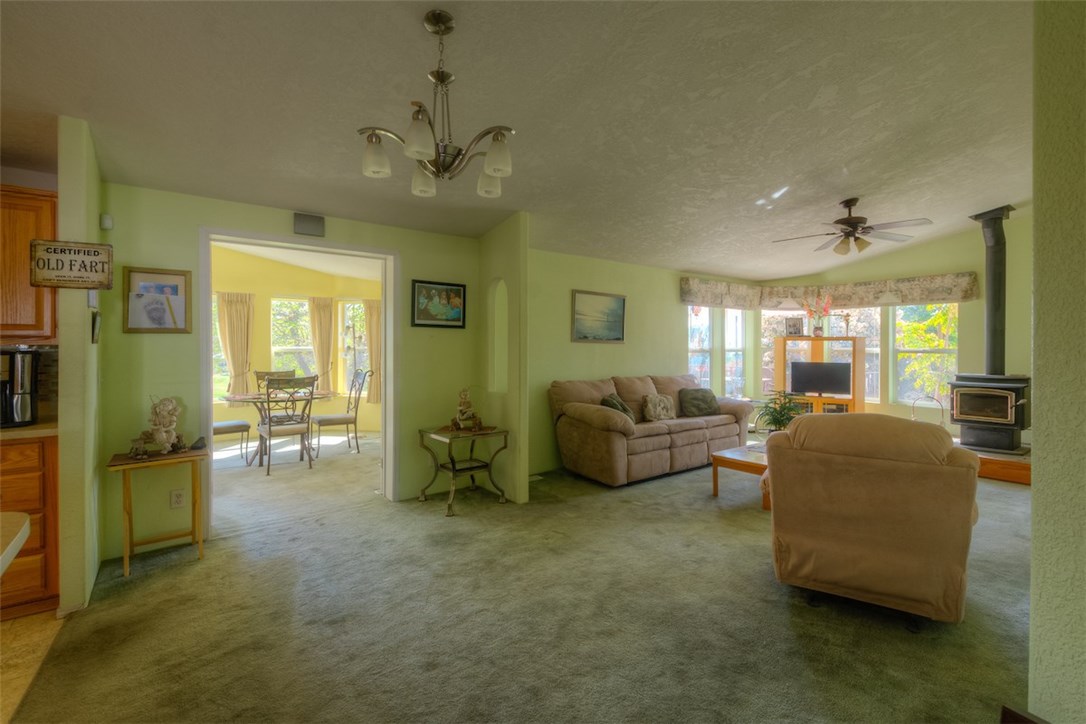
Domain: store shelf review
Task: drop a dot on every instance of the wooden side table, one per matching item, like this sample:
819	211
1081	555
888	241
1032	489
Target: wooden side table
466	466
126	464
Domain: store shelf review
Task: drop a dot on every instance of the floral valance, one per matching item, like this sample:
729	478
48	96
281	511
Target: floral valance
934	289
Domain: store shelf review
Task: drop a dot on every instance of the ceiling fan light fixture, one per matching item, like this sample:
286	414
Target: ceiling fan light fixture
841	247
433	147
375	162
861	244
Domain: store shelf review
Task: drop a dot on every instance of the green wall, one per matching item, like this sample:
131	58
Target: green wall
78	186
655	333
162	230
1057	641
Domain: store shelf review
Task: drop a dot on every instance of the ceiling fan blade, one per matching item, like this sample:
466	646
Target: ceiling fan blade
831	242
809	236
899	224
888	236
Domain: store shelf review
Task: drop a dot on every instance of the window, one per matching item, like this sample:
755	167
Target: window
773	327
734	381
699	345
925	351
291	340
865	322
220	373
356	355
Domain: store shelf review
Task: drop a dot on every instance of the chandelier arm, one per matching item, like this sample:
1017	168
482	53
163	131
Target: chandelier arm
466	155
383	132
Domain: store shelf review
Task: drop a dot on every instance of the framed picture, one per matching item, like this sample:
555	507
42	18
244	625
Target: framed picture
793	326
438	304
157	300
598	317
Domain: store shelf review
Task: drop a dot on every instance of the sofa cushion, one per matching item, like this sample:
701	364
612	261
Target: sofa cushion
636	446
615	403
658	407
682	424
697	401
718	420
632	390
588	391
671	384
648	429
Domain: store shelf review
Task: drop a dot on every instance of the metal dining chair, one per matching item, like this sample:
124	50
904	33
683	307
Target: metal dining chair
348	419
284	412
263	375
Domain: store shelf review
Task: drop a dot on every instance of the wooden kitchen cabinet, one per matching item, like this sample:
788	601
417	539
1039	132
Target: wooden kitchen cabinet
28	484
26	313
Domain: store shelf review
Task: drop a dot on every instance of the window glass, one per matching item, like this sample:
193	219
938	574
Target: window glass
733	353
220	374
925	351
865	322
353	347
773	327
699	343
291	340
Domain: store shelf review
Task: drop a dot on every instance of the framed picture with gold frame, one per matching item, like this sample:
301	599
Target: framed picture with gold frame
157	301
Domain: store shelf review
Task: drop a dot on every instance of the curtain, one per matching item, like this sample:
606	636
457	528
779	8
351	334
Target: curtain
934	289
322	329
236	337
373	344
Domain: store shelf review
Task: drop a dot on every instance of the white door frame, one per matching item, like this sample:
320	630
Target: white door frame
390	263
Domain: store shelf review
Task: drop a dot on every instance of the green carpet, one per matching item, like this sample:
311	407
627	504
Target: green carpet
650	603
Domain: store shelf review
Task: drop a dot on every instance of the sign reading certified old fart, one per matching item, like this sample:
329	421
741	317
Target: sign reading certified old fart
71	265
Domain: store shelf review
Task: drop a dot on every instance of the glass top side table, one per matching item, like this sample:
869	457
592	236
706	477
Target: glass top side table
470	465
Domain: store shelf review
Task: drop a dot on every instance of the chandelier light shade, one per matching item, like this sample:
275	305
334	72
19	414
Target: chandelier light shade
841	247
433	150
861	244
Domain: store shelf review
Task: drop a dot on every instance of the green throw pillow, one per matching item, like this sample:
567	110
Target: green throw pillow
615	403
698	401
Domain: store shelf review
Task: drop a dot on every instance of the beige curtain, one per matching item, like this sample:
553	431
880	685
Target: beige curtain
373	345
322	327
236	337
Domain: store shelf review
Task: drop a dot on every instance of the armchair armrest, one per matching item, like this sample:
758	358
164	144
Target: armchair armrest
599	417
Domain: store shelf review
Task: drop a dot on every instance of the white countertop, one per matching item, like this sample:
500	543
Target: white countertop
14	530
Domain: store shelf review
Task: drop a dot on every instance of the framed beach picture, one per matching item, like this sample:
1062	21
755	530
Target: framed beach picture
793	326
157	300
438	304
598	317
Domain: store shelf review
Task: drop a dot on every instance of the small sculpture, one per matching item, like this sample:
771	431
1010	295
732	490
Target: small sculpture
164	414
466	419
138	451
200	444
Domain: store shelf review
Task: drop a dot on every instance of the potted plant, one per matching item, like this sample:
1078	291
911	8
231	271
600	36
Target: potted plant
778	411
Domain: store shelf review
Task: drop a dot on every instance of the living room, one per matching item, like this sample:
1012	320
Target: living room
169	228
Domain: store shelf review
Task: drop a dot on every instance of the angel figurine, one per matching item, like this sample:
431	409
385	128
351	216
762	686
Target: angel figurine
163	432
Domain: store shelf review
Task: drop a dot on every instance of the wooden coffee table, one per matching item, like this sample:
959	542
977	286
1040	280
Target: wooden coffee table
747	459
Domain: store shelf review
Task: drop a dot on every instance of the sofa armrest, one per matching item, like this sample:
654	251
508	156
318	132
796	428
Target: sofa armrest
599	417
740	409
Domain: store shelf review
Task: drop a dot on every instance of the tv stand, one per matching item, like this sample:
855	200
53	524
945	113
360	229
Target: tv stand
817	349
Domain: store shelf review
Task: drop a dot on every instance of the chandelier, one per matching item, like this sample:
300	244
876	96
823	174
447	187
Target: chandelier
437	157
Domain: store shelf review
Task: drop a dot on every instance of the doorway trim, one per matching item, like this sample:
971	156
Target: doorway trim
389	265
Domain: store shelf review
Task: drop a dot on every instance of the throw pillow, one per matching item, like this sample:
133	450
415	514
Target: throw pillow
698	401
658	407
615	403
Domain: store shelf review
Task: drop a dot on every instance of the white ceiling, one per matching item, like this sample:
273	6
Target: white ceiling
645	131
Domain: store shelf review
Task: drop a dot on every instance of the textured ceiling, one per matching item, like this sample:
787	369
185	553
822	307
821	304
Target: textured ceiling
646	132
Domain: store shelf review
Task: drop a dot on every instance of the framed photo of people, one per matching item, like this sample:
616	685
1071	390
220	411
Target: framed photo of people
157	300
438	304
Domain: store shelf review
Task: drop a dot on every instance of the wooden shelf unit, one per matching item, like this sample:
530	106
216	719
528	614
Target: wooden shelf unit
818	349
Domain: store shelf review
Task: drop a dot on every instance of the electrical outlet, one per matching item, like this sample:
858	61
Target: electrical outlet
177	498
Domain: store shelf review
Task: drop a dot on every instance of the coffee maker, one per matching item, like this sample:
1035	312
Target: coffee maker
18	386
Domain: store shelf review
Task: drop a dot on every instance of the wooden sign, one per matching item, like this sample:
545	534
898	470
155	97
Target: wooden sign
71	265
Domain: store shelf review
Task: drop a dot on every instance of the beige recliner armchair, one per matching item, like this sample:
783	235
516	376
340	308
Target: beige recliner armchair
875	508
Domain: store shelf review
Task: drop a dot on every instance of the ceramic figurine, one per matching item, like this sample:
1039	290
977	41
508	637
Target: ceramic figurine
164	414
138	451
466	419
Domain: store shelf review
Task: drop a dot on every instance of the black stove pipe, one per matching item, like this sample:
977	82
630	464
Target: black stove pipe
995	284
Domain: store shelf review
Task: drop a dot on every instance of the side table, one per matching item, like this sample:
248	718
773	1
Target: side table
466	466
126	464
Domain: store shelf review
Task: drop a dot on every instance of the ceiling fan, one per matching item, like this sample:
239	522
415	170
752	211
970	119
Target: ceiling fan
853	229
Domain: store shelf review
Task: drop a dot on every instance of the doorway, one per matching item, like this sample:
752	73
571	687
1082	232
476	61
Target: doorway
282	280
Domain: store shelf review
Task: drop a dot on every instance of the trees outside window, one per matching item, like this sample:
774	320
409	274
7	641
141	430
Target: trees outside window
733	353
699	343
220	373
925	351
353	346
291	339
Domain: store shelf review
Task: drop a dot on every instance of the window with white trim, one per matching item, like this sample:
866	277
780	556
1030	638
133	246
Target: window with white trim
291	338
699	343
864	322
353	342
925	351
734	355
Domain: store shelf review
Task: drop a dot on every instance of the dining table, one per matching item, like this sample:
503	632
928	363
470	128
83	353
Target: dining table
258	400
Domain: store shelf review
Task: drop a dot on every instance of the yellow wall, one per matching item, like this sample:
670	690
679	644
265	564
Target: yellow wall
233	271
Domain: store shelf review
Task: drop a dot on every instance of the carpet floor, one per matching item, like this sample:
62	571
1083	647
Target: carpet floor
649	603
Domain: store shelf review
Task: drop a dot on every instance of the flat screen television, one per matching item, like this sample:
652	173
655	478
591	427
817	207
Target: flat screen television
821	378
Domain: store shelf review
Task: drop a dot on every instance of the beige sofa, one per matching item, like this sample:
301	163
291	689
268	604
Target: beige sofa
872	507
605	445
